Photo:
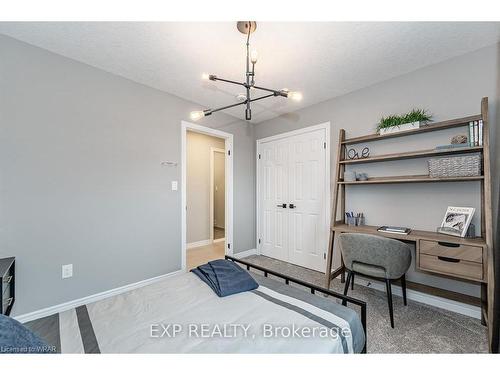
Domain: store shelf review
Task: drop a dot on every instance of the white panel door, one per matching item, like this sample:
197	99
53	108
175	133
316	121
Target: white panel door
307	200
273	194
292	171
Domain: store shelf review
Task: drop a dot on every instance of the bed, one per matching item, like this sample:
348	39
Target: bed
181	314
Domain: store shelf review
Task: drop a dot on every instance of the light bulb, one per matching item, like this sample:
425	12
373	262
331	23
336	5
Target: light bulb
295	95
196	115
205	76
254	56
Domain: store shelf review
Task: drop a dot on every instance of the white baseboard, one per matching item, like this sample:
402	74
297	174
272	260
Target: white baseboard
245	253
198	244
428	299
219	240
92	298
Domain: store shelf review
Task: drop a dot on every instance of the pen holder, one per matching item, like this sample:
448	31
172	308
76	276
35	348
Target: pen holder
355	221
351	221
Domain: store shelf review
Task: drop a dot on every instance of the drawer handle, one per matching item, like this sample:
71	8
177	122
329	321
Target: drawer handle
8	279
448	244
446	259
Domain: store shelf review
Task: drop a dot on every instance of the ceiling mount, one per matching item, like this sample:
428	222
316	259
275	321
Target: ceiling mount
243	26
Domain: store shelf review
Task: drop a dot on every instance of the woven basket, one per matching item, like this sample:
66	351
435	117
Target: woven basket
456	166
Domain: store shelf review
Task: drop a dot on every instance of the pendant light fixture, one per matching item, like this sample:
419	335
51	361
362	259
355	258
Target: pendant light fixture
247	28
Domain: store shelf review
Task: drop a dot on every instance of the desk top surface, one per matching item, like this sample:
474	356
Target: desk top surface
413	236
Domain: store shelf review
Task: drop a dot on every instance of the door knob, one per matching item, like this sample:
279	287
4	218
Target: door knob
283	205
291	205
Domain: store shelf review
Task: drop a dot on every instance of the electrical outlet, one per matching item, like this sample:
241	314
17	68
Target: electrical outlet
67	271
174	185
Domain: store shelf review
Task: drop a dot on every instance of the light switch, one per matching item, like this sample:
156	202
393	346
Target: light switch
67	271
174	185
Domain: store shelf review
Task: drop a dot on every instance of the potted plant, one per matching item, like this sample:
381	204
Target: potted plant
398	123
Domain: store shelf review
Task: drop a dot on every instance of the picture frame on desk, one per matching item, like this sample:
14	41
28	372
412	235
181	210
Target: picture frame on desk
456	221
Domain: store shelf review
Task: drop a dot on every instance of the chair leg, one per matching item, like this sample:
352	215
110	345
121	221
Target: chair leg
352	281
389	299
403	287
346	287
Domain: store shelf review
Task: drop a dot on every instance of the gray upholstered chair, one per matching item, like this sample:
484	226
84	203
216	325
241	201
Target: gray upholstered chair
376	257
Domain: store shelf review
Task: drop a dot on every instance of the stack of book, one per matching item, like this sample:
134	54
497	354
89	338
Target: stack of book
476	133
394	230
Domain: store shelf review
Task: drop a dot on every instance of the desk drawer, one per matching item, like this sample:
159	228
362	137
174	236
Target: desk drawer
453	267
455	251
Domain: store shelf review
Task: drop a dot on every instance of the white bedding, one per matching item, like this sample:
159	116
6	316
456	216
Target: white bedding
144	320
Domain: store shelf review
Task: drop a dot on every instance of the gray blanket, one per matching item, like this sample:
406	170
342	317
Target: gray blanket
225	277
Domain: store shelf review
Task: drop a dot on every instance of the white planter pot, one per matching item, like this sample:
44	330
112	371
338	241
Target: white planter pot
400	128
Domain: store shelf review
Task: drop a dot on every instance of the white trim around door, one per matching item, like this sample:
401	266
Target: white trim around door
213	150
228	138
259	142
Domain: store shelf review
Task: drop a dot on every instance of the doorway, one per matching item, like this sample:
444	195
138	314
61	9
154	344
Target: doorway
207	194
293	196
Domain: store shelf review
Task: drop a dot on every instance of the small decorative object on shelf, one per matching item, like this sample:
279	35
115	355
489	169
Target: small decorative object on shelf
459	139
456	221
456	166
353	154
350	176
362	177
398	123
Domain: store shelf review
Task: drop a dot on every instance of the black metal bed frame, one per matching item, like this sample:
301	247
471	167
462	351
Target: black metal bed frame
313	288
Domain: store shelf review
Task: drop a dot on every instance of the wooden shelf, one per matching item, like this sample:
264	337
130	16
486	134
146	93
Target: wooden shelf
409	179
414	155
414	235
424	129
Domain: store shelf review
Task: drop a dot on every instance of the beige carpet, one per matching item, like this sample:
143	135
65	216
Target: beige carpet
419	328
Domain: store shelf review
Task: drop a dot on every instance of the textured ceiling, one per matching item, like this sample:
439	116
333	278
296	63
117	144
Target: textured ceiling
322	60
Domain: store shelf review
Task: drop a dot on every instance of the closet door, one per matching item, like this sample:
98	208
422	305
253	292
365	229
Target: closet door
273	180
307	196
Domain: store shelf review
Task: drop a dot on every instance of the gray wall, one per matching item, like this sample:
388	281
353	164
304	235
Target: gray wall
450	89
81	181
198	185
